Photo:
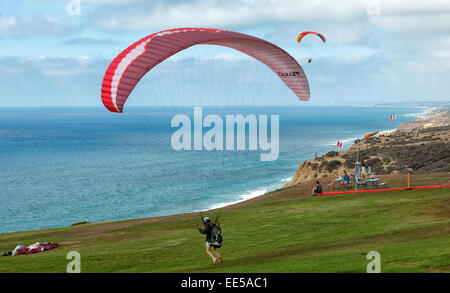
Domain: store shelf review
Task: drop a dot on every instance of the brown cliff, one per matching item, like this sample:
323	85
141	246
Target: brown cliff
417	147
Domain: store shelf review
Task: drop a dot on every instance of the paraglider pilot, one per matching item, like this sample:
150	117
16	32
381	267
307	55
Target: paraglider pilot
208	228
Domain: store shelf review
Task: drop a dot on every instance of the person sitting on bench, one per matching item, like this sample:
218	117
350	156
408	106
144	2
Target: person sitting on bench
345	179
317	190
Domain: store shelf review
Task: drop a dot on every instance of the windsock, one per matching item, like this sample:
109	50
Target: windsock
370	134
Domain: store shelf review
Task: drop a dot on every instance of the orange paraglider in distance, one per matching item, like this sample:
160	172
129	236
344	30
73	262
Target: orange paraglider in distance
300	36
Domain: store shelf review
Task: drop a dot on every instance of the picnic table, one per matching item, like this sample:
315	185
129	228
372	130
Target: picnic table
373	182
337	180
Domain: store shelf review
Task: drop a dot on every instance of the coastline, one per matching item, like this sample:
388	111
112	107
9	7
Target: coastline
438	116
239	197
427	113
417	146
250	194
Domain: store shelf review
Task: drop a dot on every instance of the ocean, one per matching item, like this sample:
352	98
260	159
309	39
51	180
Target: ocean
60	166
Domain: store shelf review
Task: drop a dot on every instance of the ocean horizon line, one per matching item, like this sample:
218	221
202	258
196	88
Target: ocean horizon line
300	105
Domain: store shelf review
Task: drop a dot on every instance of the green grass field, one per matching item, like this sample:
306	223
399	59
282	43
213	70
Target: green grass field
410	230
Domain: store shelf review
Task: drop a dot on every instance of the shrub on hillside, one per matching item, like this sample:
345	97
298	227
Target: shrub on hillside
332	154
330	166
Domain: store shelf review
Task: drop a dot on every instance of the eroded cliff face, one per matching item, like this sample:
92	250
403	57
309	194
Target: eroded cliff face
418	150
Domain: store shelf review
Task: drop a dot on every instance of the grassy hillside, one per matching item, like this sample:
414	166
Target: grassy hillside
285	231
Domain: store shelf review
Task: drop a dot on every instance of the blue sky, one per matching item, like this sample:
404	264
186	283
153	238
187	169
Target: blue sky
401	54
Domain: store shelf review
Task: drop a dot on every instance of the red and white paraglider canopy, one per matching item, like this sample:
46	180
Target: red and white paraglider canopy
133	63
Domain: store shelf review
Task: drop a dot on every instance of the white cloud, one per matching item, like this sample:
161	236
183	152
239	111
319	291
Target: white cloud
26	26
90	41
229	14
44	81
343	21
122	2
52	66
414	23
407	46
401	7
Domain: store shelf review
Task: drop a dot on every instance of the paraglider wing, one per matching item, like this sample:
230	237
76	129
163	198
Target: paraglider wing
133	63
300	36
